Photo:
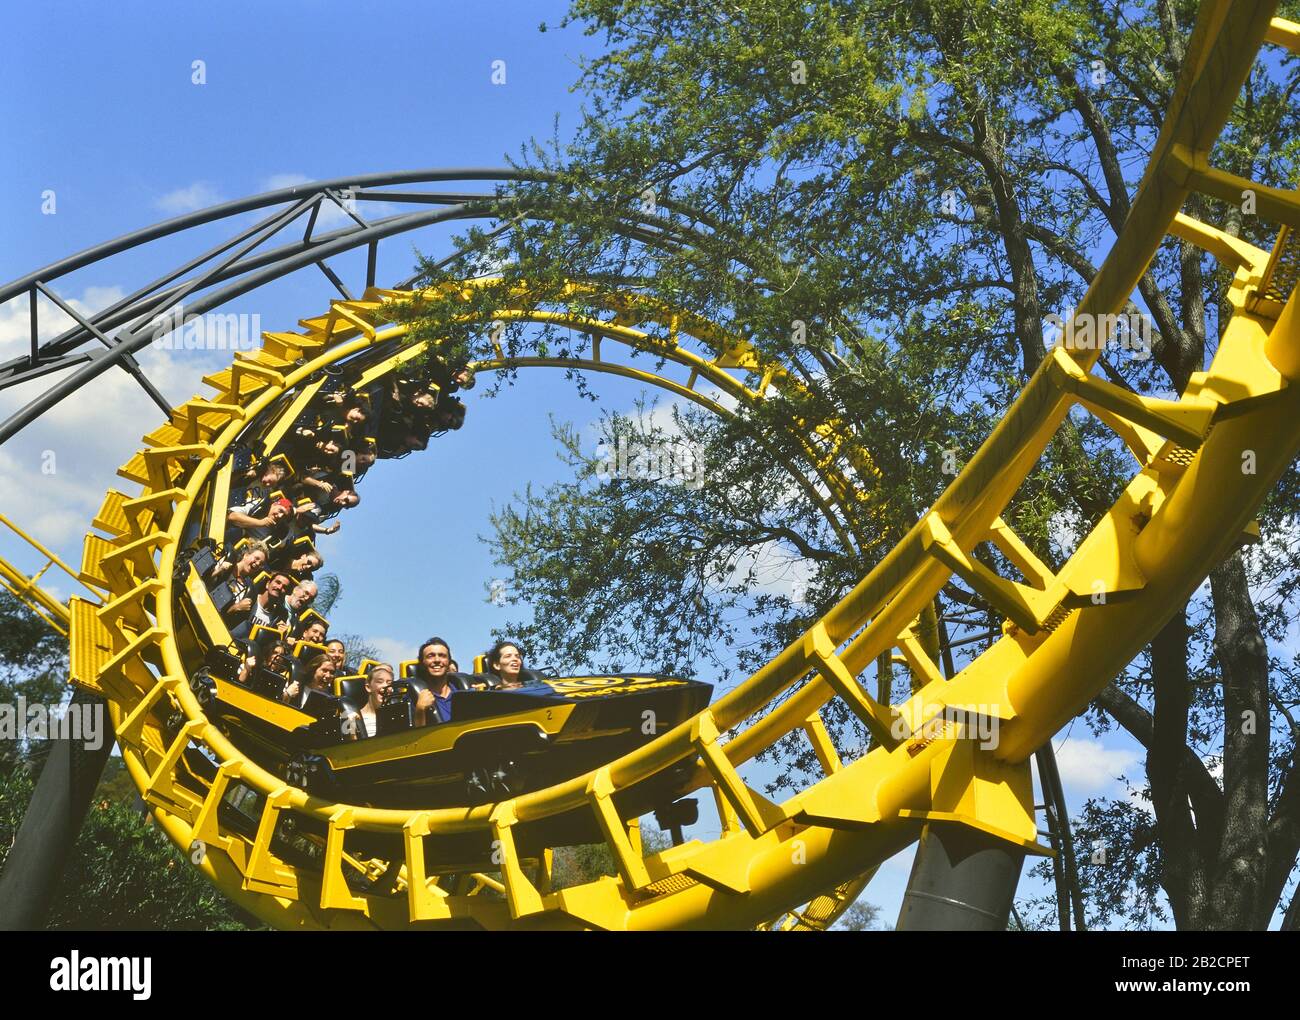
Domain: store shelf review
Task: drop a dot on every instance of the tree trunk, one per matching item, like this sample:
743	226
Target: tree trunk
1238	877
1015	239
1183	878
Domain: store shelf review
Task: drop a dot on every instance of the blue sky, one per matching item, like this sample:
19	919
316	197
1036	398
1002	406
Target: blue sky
99	107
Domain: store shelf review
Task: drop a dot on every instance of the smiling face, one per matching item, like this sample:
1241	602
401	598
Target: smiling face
305	563
509	662
337	653
436	659
379	685
322	679
303	595
315	633
278	586
251	562
276	658
278	513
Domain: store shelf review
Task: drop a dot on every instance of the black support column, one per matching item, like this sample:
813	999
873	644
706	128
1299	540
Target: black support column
51	825
962	880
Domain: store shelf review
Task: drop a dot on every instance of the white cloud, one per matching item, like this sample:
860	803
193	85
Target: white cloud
15	317
1065	530
658	416
55	472
661	415
393	650
776	571
53	505
1089	768
198	195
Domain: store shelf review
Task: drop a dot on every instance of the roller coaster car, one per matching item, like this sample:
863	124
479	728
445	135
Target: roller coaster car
499	743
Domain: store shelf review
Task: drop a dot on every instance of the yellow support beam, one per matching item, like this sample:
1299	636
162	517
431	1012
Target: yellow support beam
628	857
522	896
334	891
1182	509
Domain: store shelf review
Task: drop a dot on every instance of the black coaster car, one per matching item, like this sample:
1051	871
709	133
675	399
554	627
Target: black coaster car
498	744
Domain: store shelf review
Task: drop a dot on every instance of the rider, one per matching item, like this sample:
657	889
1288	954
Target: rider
505	661
274	655
379	681
433	666
338	653
318	671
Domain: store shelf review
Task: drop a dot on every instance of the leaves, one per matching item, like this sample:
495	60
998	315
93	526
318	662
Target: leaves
946	175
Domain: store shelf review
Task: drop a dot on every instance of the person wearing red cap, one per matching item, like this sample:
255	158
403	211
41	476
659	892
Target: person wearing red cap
245	516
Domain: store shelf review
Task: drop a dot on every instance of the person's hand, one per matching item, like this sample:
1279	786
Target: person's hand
241	606
425	701
292	690
331	528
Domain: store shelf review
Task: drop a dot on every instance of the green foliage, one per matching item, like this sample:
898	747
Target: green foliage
1120	867
329	593
578	865
33	663
358	648
122	875
115	784
861	916
919	185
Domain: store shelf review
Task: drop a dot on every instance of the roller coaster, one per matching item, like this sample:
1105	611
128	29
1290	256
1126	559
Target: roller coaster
139	630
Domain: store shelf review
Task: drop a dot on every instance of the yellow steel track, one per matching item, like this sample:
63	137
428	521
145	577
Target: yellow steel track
1203	464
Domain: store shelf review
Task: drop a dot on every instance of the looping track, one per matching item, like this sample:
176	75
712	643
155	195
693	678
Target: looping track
1066	633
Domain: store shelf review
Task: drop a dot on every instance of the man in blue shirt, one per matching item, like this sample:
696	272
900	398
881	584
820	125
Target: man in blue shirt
434	668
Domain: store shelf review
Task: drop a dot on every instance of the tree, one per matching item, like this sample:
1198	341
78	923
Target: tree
918	186
587	862
861	916
123	873
358	650
35	659
328	594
